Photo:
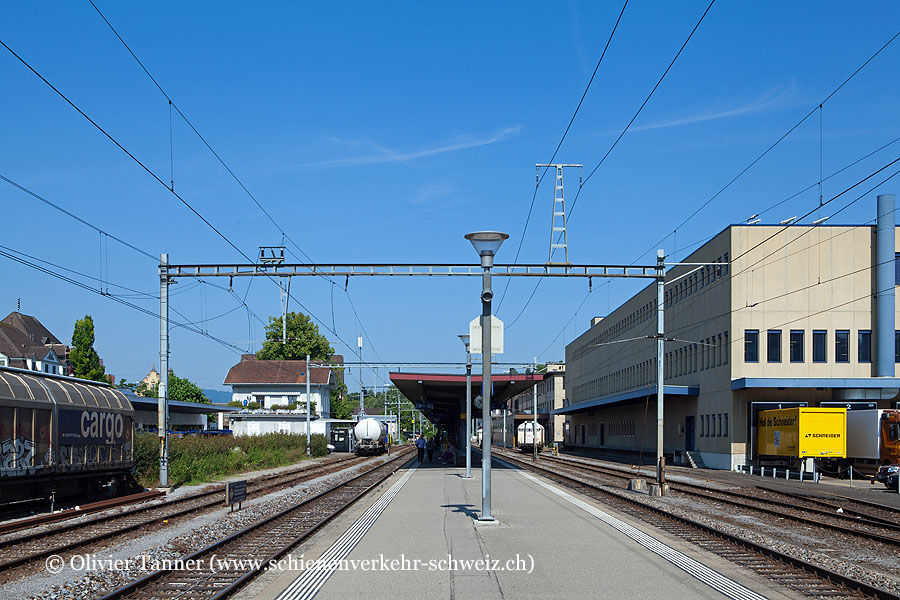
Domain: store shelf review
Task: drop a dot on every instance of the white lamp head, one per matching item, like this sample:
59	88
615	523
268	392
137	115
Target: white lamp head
487	243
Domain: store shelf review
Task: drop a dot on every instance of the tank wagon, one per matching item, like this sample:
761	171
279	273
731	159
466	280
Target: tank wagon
63	435
369	435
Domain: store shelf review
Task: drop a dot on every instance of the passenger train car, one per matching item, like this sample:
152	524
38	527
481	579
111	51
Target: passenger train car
63	435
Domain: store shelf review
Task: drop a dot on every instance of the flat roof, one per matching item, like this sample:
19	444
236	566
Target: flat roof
668	390
177	406
816	382
442	397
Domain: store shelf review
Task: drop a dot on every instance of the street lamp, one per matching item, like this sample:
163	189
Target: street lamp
486	243
465	340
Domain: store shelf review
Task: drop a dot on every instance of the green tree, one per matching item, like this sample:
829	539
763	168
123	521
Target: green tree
185	390
180	388
341	403
84	359
303	338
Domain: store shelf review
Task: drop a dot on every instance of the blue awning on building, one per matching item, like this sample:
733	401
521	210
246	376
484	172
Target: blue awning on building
668	390
815	382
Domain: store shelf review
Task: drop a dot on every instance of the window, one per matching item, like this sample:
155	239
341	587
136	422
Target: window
897	346
719	351
702	428
726	350
864	346
820	348
725	430
751	345
841	346
719	425
773	346
797	345
897	268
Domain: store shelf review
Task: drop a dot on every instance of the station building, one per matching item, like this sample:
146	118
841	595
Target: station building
550	392
798	313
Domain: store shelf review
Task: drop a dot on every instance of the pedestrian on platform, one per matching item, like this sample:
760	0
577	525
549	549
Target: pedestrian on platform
420	448
430	449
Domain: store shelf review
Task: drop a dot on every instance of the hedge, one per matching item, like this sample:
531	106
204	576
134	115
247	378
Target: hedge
196	459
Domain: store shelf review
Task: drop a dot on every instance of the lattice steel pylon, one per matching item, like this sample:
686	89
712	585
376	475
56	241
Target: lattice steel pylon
558	218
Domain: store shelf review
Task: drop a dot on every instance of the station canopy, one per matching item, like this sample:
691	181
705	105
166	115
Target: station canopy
442	398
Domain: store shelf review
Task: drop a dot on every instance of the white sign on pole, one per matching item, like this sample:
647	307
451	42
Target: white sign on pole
496	335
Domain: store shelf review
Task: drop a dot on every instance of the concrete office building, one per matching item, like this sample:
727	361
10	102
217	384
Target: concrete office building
798	313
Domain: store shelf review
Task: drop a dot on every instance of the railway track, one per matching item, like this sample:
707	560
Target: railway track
84	509
21	551
226	565
849	522
803	576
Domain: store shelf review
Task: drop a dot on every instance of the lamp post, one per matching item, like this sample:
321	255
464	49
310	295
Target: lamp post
465	340
486	243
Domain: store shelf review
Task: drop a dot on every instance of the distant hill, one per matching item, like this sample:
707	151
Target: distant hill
218	396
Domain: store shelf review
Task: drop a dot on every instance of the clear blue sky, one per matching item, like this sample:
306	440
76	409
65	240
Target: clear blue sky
385	133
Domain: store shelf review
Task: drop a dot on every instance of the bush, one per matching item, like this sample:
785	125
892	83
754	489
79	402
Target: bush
195	459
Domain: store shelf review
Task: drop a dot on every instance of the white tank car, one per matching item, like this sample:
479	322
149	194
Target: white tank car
369	435
526	437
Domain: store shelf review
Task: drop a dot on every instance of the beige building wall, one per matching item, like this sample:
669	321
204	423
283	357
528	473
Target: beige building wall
805	278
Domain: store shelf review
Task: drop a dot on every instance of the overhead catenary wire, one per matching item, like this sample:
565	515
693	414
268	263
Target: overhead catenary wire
173	105
157	178
621	135
773	145
559	145
122	301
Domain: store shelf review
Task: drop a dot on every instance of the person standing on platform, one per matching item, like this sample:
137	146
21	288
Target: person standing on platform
420	448
430	449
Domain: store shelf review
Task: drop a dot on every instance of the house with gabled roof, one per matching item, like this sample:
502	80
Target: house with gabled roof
26	344
274	384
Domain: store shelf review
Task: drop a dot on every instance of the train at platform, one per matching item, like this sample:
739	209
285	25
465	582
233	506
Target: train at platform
61	436
370	437
527	437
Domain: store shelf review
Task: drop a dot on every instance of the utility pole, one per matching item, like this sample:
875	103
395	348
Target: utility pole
362	408
534	413
163	395
308	432
660	375
285	297
558	218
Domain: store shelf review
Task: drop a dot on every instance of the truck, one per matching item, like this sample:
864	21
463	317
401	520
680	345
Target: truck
872	441
786	436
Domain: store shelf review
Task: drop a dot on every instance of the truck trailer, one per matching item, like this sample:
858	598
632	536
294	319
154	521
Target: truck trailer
872	440
788	435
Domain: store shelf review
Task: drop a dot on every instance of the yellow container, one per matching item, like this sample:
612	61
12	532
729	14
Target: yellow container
802	432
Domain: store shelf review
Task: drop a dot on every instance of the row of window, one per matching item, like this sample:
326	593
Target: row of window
711	352
697	281
797	346
714	425
643	373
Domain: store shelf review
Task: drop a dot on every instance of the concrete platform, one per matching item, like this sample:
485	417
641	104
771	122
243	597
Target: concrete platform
549	543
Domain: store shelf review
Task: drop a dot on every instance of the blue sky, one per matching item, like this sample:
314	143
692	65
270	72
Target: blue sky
386	133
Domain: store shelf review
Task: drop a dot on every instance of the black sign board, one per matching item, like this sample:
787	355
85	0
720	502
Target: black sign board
856	405
235	493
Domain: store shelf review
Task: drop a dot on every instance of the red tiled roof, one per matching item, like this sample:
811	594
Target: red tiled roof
251	370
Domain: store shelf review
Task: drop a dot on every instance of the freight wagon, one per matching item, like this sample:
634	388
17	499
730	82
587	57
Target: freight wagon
63	435
788	435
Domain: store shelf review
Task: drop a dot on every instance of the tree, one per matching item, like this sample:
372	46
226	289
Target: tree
303	338
181	389
185	390
341	404
84	359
